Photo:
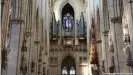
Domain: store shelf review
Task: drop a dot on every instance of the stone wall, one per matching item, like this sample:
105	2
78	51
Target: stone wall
112	13
30	26
79	53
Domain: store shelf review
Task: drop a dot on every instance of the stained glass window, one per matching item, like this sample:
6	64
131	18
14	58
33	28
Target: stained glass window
72	71
64	71
68	22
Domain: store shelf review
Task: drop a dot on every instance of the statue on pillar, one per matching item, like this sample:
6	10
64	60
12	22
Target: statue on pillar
126	39
128	54
95	70
111	54
23	65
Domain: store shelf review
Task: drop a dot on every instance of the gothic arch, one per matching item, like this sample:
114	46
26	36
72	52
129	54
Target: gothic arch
63	5
70	9
67	54
69	64
58	6
68	17
67	2
63	56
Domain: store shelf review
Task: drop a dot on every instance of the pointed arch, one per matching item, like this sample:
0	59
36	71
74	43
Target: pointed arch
65	2
67	8
58	6
68	66
68	17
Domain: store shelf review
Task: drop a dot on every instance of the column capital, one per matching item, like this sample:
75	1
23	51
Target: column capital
17	21
130	1
116	19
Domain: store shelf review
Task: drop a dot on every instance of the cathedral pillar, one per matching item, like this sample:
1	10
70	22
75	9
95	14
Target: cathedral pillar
130	2
15	24
104	30
25	31
12	59
5	24
105	53
0	36
116	30
128	21
76	32
47	34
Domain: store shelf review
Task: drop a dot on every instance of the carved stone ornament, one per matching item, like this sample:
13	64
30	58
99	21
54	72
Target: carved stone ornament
5	53
40	56
128	53
41	47
23	58
111	49
37	42
105	33
111	64
17	21
39	68
127	50
126	36
111	54
39	60
43	70
23	68
95	70
4	59
110	38
116	20
32	66
24	48
94	66
28	34
103	66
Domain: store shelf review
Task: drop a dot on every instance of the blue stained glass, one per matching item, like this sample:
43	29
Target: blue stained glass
68	22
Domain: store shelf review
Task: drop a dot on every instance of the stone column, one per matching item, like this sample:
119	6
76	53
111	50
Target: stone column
102	52
111	54
131	28
76	32
128	18
47	32
104	29
105	48
116	29
44	11
0	35
5	23
12	59
23	43
14	40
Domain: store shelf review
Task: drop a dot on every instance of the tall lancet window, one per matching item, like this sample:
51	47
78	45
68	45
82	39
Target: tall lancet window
68	22
67	18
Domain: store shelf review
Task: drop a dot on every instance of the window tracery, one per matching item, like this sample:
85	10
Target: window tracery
68	22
